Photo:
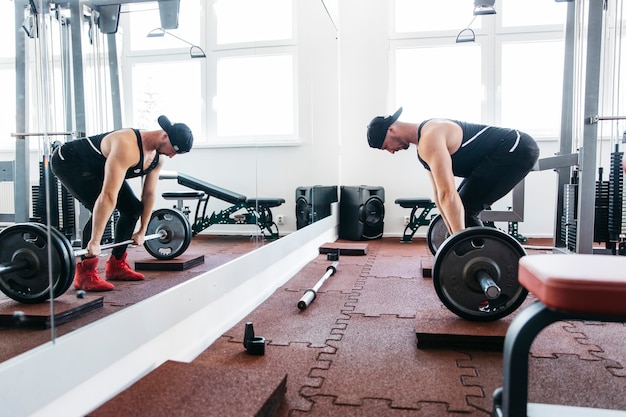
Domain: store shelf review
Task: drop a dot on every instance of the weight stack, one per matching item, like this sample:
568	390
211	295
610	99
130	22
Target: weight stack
313	203
623	229
361	212
569	217
601	222
62	213
616	185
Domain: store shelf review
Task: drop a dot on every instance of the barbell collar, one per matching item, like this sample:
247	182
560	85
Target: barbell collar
333	267
307	298
488	285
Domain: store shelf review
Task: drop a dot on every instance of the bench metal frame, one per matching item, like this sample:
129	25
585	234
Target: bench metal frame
415	221
253	210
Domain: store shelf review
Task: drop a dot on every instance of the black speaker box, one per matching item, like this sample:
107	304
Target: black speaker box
361	212
313	203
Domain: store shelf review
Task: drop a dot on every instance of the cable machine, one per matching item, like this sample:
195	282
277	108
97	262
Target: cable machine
588	207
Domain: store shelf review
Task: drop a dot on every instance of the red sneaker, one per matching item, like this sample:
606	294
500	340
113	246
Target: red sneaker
118	269
87	278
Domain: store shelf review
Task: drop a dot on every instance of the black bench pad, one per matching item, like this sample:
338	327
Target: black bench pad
183	195
414	202
265	202
210	189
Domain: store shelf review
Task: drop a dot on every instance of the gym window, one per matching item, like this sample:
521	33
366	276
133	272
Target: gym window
243	93
511	75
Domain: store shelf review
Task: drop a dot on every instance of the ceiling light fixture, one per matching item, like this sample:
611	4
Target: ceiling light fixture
484	7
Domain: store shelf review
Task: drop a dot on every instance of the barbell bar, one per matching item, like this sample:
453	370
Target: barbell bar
162	234
310	294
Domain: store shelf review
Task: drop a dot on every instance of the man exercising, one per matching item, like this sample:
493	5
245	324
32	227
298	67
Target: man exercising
491	160
94	170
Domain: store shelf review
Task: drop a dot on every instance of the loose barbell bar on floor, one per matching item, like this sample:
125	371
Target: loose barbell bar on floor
311	293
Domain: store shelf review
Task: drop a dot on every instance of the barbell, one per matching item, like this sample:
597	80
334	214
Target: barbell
475	274
33	261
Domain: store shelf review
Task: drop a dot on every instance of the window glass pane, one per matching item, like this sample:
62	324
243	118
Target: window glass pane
531	12
144	18
253	20
7	28
431	83
429	15
7	107
172	89
255	96
532	86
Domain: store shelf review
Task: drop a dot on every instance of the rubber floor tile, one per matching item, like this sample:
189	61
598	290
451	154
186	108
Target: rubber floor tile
488	368
182	389
562	338
394	247
570	380
397	266
294	360
377	359
609	338
280	322
565	379
325	406
390	296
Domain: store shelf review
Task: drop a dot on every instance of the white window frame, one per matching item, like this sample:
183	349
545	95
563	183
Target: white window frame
491	35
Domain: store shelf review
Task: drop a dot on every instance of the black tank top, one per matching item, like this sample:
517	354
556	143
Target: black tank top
87	153
478	141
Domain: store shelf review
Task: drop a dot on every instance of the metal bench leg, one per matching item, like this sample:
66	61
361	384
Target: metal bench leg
512	399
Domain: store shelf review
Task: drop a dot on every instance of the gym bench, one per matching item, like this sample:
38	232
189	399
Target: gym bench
415	221
252	210
568	287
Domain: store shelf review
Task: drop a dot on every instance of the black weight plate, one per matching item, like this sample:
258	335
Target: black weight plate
454	269
65	254
178	237
30	243
69	277
437	233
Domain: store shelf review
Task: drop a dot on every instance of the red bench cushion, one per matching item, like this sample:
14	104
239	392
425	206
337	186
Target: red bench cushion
579	283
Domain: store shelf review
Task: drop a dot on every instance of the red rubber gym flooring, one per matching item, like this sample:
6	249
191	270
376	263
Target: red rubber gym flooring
354	350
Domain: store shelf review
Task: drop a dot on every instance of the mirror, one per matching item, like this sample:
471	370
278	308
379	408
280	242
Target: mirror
258	166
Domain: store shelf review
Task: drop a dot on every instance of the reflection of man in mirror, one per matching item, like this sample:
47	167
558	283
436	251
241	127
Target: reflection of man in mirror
491	160
95	169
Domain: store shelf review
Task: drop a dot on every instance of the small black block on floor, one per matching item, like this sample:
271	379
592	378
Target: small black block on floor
181	263
427	266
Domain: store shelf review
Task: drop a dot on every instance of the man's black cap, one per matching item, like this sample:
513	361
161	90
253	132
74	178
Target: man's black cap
377	129
179	133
